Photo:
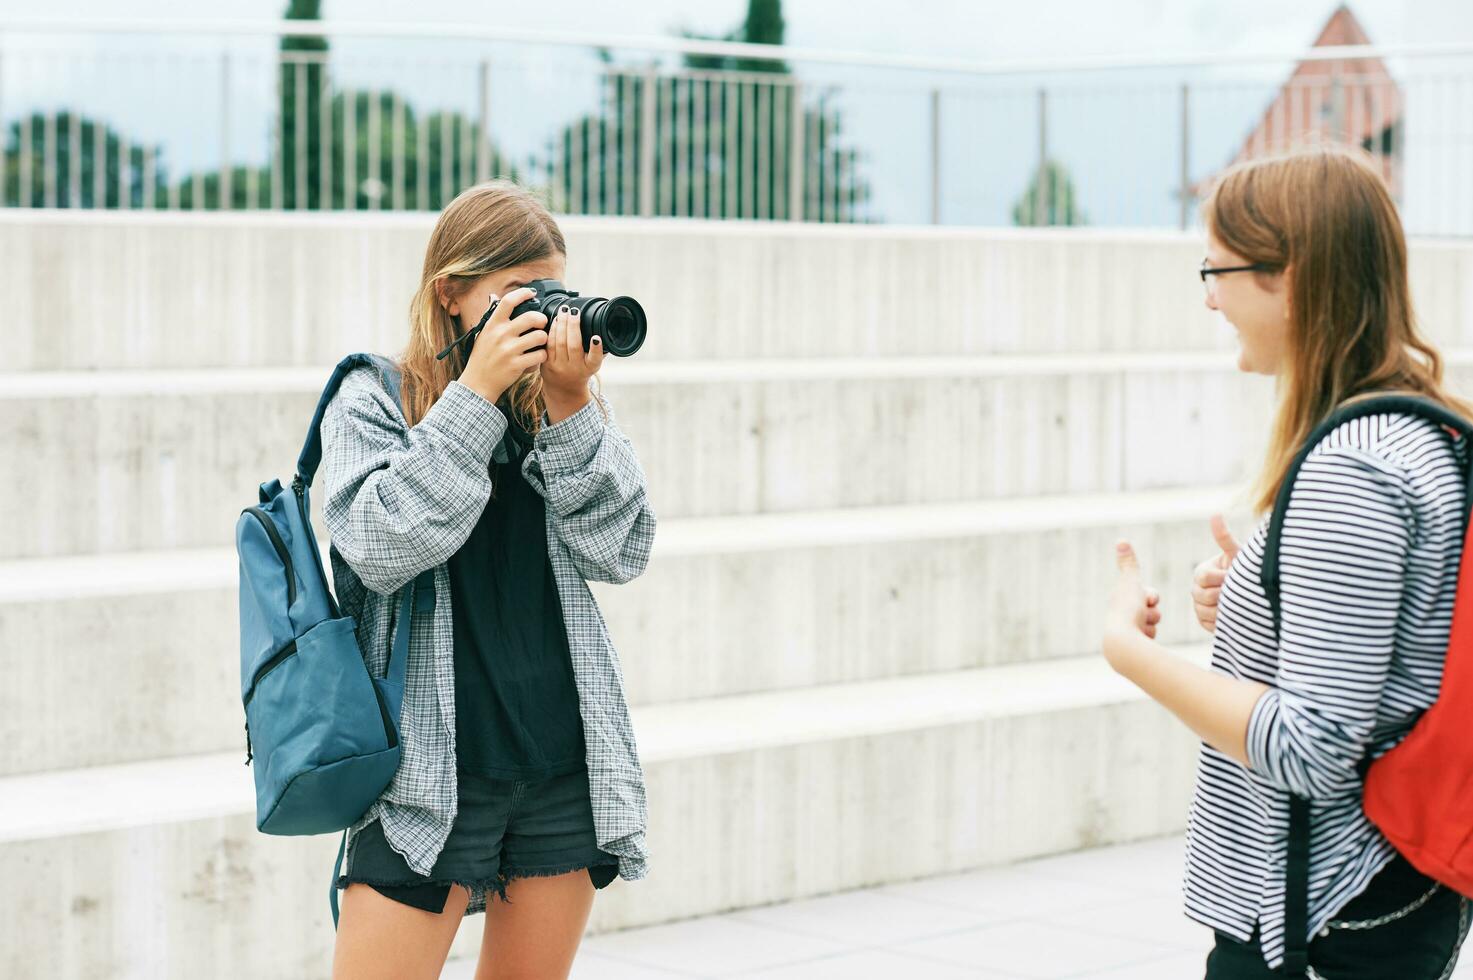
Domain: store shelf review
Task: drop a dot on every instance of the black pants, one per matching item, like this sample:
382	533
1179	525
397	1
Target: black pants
1421	945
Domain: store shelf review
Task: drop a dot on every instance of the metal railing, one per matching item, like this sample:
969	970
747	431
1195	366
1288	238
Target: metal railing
319	116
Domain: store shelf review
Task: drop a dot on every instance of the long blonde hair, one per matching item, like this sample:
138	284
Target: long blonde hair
491	226
1326	216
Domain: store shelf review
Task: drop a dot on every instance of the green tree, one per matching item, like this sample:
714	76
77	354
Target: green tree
303	69
381	154
764	24
438	155
722	141
250	188
1050	199
70	146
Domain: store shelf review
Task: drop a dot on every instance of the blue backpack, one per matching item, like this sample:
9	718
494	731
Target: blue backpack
322	732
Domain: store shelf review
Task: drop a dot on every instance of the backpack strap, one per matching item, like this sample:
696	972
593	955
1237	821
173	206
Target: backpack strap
337	870
418	598
1268	575
1296	867
389	375
421	597
1296	889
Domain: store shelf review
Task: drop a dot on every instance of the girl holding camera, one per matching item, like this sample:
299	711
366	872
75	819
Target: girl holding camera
520	791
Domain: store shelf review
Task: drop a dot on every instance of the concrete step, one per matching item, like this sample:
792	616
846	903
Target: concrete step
141	461
155	869
119	658
268	290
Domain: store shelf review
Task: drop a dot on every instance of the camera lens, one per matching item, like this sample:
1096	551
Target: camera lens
620	322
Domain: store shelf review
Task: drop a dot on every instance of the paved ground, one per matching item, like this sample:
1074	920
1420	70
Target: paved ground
1108	914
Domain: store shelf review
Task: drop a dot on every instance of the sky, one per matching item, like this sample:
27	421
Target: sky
989	130
982	29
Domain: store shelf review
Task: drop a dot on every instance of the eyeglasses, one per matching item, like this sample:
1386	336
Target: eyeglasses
1207	271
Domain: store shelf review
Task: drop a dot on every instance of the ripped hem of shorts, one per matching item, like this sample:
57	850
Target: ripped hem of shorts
496	884
493	885
552	871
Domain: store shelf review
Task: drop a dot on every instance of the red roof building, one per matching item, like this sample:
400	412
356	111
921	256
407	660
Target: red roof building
1352	101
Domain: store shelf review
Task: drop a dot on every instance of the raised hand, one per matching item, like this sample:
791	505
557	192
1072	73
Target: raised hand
568	367
1209	576
506	347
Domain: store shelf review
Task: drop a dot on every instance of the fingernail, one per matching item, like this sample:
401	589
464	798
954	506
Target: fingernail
597	341
562	309
576	311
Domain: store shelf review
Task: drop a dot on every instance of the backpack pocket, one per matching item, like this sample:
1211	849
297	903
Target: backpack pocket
325	741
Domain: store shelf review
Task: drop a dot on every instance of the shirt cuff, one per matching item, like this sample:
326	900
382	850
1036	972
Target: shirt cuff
1260	728
565	444
472	421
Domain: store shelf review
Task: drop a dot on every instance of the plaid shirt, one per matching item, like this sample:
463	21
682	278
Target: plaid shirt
398	501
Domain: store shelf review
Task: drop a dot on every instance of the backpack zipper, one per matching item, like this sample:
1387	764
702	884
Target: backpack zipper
281	551
276	660
291	597
300	489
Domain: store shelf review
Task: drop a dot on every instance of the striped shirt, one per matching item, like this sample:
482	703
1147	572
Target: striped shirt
1369	560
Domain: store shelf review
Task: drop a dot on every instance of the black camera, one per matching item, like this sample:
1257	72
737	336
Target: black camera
619	322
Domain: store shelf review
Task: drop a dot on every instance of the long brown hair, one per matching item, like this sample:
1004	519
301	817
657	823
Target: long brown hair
491	226
1325	216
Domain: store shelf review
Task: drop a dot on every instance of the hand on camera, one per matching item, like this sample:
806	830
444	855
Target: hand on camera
568	367
506	347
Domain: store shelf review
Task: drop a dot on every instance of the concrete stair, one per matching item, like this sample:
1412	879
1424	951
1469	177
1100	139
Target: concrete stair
155	869
108	290
846	595
122	461
889	466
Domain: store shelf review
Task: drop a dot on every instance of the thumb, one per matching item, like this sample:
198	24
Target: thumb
1224	537
1125	559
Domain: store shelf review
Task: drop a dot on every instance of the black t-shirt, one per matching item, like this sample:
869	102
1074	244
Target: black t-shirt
516	706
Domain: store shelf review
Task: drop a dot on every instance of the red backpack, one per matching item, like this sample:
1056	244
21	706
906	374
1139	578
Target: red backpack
1419	794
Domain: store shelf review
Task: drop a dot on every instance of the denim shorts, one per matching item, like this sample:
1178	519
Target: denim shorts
504	829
